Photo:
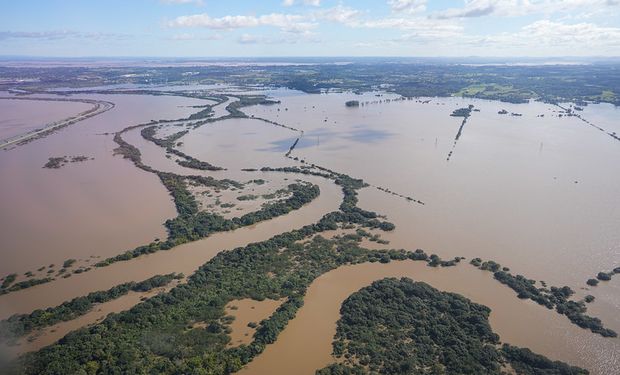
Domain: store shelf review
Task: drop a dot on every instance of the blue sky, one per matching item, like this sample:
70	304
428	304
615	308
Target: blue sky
214	28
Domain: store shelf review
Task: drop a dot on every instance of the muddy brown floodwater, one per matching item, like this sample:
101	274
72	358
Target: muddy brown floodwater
537	193
248	311
304	346
49	335
184	258
22	116
101	207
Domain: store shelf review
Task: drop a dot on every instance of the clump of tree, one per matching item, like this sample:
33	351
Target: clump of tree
557	298
60	161
192	224
24	285
463	112
22	324
168	143
352	103
398	326
8	280
159	335
247	197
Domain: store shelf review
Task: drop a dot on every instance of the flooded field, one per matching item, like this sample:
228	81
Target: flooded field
22	116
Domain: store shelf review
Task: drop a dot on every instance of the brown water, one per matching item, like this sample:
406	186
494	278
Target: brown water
508	193
99	207
185	258
248	311
240	143
537	194
305	344
21	116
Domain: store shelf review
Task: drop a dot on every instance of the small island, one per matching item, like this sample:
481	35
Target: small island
61	161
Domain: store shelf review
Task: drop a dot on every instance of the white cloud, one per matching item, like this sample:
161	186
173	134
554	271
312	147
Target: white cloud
409	6
514	8
286	22
547	38
580	34
339	14
418	25
249	39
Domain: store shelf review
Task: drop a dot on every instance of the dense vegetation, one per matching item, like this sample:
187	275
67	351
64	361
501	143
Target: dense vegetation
234	108
192	224
169	142
405	327
553	297
462	112
160	335
60	161
23	284
22	324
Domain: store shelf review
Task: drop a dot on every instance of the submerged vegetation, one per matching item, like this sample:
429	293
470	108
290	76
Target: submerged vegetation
159	334
465	113
404	327
193	224
553	297
603	276
61	161
24	285
22	324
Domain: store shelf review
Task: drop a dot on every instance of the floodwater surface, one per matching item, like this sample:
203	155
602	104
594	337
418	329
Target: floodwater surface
184	259
248	311
537	193
304	346
21	116
99	207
